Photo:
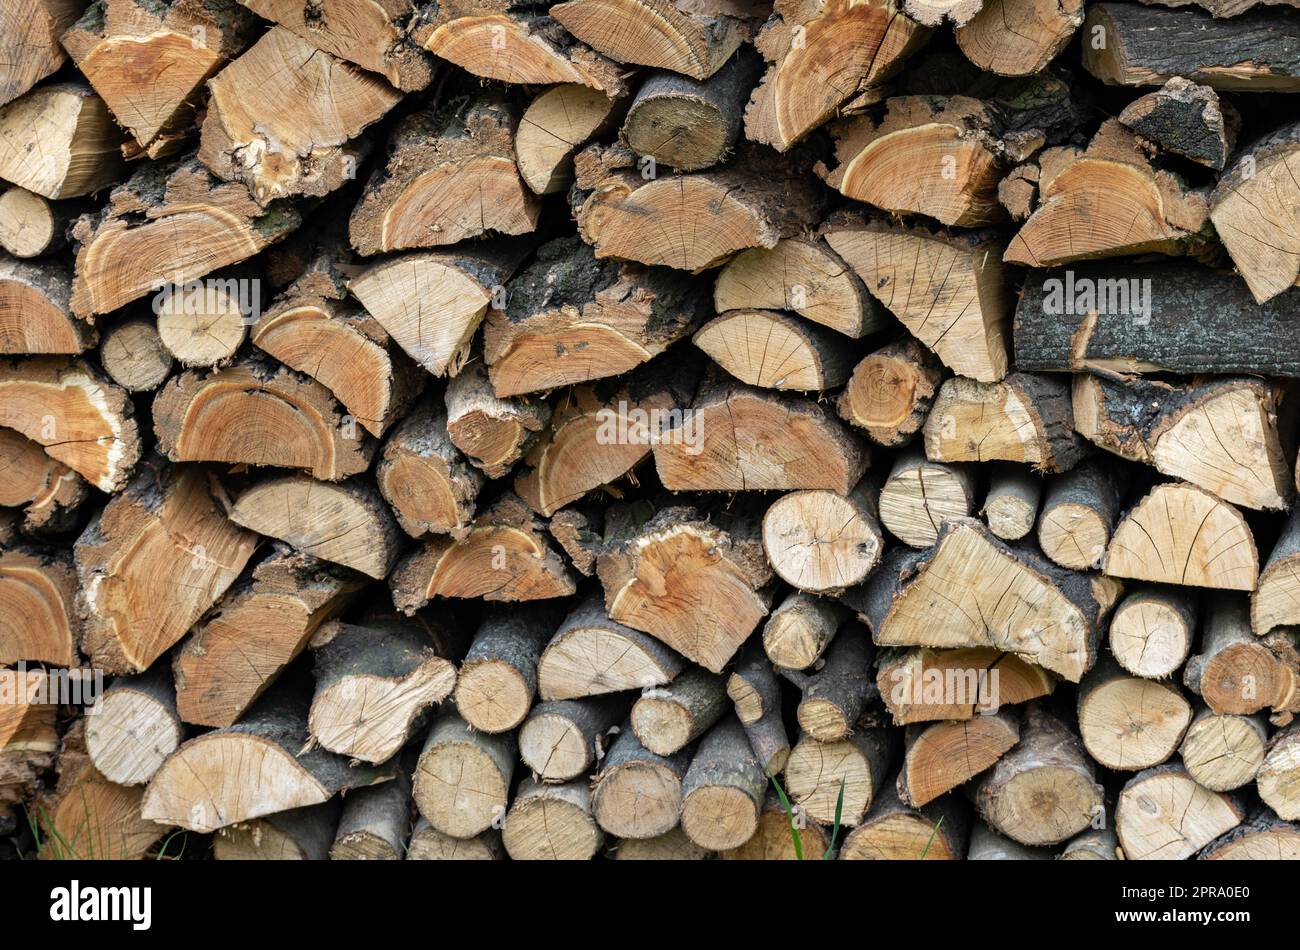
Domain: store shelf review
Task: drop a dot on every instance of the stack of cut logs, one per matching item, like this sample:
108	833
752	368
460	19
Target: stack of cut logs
650	428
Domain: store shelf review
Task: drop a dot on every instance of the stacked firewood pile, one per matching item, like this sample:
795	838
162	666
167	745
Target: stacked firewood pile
650	428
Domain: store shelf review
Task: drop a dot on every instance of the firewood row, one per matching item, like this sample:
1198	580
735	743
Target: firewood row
647	429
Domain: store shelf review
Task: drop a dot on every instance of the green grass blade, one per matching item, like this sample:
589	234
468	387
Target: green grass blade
789	814
937	825
835	831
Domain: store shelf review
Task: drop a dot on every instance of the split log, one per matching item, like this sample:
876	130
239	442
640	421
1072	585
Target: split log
715	571
346	523
151	564
498	677
821	57
600	433
1224	752
150	63
1043	791
688	124
936	12
451	175
551	822
498	39
29	42
638	794
1181	534
925	685
432	303
28	743
1011	505
31	226
1025	418
772	840
70	128
944	755
1278	779
1085	193
86	817
1185	119
1079	512
737	438
802	275
375	824
818	770
986	845
135	727
570	318
668	718
430	485
41	622
1222	435
462	781
258	628
1263	837
493	432
1152	631
823	542
1163	815
890	392
80	417
555	125
563	738
313	328
1018	191
1146	46
1274	601
202	786
134	356
1133	319
1223	8
503	557
1019	37
591	655
756	694
280	118
1239	673
1129	723
168	225
34	315
949	290
920	495
371	35
702	219
776	351
256	412
49	492
835	695
664	34
892	831
939	156
376	685
1098	845
799	631
299	834
669	846
723	790
971	590
430	844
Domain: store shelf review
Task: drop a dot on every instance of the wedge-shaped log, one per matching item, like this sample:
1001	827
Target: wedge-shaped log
971	590
949	290
926	685
257	412
39	622
1264	837
34	314
1163	815
59	141
715	570
503	557
346	523
80	417
776	351
49	492
1186	119
204	785
157	557
1019	37
944	755
29	42
1181	534
570	318
554	126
